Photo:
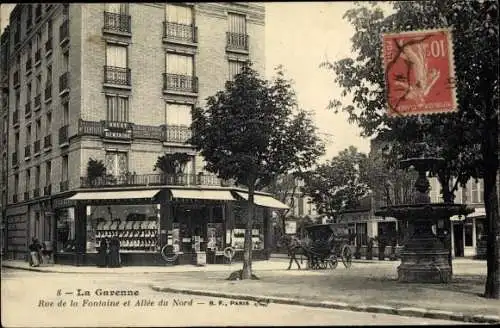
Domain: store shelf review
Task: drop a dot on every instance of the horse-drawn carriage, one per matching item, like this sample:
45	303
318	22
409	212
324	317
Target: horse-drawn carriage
323	245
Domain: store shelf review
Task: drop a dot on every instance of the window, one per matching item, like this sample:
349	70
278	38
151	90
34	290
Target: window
116	56
49	29
116	163
18	100
117	8
235	67
16	184
49	75
38	129
28	180
179	64
474	192
179	14
38	40
66	113
37	177
28	134
66	61
16	145
178	114
48	123
64	171
361	235
28	93
237	23
48	172
38	84
117	108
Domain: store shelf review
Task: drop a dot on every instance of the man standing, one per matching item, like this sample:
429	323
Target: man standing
35	252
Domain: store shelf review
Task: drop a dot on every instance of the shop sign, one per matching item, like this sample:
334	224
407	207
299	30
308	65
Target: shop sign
419	72
290	227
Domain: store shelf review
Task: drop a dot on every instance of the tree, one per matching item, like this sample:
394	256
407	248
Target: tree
339	184
95	169
172	163
253	131
467	140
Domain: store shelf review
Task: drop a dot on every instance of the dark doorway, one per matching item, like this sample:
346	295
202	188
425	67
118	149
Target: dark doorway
458	239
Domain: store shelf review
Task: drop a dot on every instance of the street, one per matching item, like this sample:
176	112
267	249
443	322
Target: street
103	300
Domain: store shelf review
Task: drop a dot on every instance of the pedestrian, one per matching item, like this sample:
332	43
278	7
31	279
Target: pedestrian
102	253
35	249
114	252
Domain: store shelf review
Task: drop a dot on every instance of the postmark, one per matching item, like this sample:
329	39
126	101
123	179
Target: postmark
419	72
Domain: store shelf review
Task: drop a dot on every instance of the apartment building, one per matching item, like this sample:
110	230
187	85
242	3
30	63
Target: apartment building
116	82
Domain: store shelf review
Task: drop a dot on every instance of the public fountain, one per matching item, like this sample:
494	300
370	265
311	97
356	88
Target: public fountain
424	257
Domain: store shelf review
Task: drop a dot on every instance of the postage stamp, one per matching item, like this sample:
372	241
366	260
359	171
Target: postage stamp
419	72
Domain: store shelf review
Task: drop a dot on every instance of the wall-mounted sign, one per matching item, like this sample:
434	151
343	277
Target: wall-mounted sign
290	227
419	72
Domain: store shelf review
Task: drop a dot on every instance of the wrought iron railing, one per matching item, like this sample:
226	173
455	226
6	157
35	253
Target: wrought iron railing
236	41
117	130
180	32
27	108
38	101
27	151
132	179
117	22
47	190
178	82
64	185
63	134
47	141
36	146
64	82
177	133
48	46
64	32
147	132
117	75
91	128
48	92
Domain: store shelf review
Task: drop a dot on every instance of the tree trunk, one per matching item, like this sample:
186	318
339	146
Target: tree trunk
490	158
247	251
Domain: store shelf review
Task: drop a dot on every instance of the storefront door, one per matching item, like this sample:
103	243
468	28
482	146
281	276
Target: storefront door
198	227
458	239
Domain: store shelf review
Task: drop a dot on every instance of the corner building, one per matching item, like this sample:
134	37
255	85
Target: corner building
116	82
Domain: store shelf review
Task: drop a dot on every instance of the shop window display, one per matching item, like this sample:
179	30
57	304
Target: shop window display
238	234
136	226
66	230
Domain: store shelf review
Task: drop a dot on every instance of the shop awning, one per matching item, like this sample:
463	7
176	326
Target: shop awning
478	212
202	194
108	195
261	200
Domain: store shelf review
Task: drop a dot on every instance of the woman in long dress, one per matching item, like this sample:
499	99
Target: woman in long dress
102	254
114	252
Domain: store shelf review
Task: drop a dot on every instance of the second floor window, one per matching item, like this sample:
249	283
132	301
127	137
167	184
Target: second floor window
237	24
64	170
116	56
179	64
48	123
116	163
48	172
179	14
117	108
235	67
178	114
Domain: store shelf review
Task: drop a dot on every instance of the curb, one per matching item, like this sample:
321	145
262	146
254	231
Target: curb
28	269
404	311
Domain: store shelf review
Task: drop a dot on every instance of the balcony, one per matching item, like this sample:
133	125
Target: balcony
38	57
29	65
27	109
36	192
64	33
117	75
176	133
47	190
64	83
16	79
15	161
148	132
38	102
15	118
27	152
64	185
47	142
48	47
180	83
36	147
116	22
174	32
48	92
236	41
63	136
117	130
160	179
14	198
26	196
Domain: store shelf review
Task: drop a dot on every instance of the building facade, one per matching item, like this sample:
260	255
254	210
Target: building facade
116	83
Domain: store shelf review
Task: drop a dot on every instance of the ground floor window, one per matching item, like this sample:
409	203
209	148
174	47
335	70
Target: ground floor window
65	230
361	234
135	226
237	235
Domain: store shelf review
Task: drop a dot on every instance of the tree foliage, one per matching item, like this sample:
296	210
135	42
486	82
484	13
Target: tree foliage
172	163
95	169
338	184
253	131
467	140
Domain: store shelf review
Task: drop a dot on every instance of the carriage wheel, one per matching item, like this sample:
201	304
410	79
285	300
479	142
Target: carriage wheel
333	262
324	263
347	256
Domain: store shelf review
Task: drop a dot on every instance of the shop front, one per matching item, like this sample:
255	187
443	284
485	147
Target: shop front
160	226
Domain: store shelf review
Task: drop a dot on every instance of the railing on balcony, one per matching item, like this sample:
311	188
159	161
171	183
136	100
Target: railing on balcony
15	160
27	109
180	32
26	195
178	82
16	78
27	151
63	135
14	198
48	92
15	117
117	22
38	101
117	130
64	185
38	56
36	147
48	46
90	128
36	192
236	41
64	32
177	133
132	179
47	141
64	82
147	132
47	190
117	75
29	64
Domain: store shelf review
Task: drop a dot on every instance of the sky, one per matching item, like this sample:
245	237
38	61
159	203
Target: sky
300	36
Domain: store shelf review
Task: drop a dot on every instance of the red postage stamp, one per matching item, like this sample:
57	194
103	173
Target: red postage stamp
419	72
